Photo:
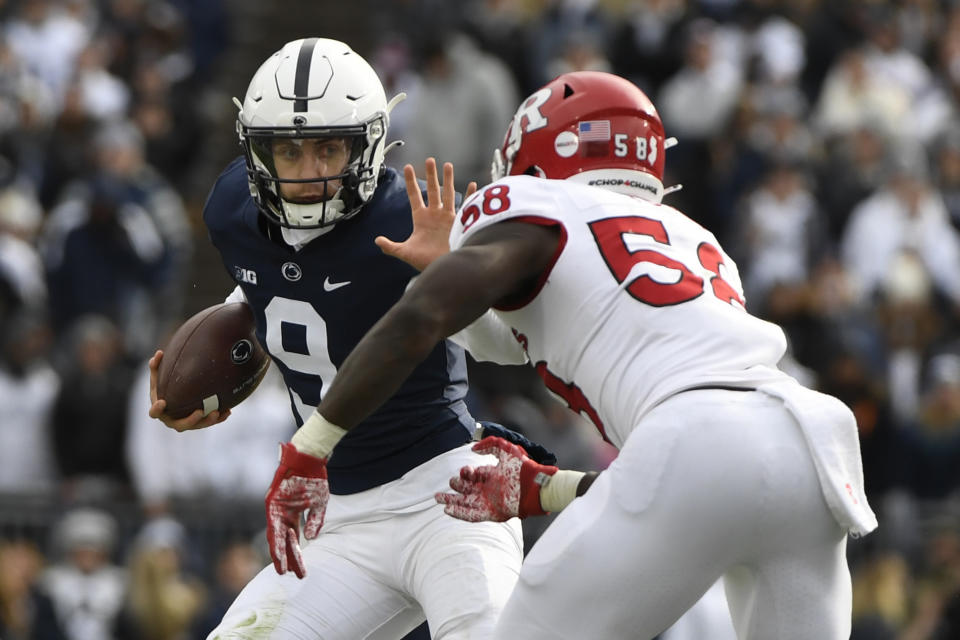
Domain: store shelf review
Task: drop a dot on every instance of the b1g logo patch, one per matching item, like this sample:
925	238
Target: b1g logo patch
245	275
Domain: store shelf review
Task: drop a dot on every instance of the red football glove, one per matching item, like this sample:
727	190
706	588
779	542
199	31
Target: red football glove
498	493
300	483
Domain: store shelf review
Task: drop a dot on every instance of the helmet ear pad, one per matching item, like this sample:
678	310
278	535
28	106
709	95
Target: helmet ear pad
588	126
314	88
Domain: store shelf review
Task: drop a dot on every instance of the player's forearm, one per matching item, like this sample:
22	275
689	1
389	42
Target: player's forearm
378	365
451	293
563	487
585	482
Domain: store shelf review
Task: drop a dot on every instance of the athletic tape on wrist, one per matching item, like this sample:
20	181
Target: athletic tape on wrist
318	436
560	490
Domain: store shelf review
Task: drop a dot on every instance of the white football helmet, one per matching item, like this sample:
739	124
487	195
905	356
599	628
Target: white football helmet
314	88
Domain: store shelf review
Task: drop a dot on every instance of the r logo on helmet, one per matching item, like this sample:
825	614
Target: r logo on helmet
529	110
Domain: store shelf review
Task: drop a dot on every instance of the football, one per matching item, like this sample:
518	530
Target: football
212	362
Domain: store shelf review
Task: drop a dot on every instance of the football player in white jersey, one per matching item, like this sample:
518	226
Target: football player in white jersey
634	316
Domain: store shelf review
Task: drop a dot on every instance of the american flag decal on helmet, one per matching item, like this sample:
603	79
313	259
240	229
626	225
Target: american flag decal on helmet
594	130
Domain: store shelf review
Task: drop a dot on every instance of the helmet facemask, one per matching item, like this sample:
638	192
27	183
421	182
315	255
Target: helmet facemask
349	180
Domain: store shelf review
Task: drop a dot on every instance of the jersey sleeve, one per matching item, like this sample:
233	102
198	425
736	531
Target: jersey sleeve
510	198
236	295
490	339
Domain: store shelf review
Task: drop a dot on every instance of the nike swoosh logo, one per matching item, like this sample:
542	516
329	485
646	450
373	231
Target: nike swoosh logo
330	286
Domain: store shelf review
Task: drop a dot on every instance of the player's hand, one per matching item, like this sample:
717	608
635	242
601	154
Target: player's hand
299	485
497	492
158	406
432	221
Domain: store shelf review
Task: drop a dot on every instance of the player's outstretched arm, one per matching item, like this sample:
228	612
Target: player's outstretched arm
195	420
431	220
516	487
499	264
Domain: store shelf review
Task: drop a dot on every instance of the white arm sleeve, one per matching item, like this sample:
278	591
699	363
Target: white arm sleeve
489	339
236	295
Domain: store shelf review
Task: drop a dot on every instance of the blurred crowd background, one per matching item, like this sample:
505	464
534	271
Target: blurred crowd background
818	139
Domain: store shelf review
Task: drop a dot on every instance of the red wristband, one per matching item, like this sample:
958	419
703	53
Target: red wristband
532	477
302	464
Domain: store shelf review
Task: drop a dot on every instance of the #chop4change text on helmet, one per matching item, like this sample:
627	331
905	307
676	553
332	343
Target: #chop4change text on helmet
314	98
591	127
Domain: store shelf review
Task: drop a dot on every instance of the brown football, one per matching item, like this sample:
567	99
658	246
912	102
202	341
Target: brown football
212	362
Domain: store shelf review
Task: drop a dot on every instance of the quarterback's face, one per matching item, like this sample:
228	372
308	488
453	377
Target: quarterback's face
309	159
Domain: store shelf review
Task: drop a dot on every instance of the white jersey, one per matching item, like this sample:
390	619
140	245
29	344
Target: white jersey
641	302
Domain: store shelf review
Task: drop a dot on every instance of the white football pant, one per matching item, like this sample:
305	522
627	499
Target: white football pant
386	559
712	484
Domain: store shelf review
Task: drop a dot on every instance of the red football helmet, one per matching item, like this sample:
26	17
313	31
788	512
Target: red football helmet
588	126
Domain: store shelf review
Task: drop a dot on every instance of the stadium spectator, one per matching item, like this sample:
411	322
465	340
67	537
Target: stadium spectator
502	28
893	65
853	96
559	23
29	386
855	165
236	564
648	45
712	77
946	162
906	215
86	588
22	282
779	239
104	254
69	155
48	39
929	446
476	92
164	597
89	421
120	156
911	323
881	598
25	611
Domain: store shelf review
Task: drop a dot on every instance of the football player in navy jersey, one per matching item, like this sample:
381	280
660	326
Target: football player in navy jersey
301	222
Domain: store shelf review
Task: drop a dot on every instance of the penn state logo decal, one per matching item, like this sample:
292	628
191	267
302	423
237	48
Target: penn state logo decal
241	351
291	271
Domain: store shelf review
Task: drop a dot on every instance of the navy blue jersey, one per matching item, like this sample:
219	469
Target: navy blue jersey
314	305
